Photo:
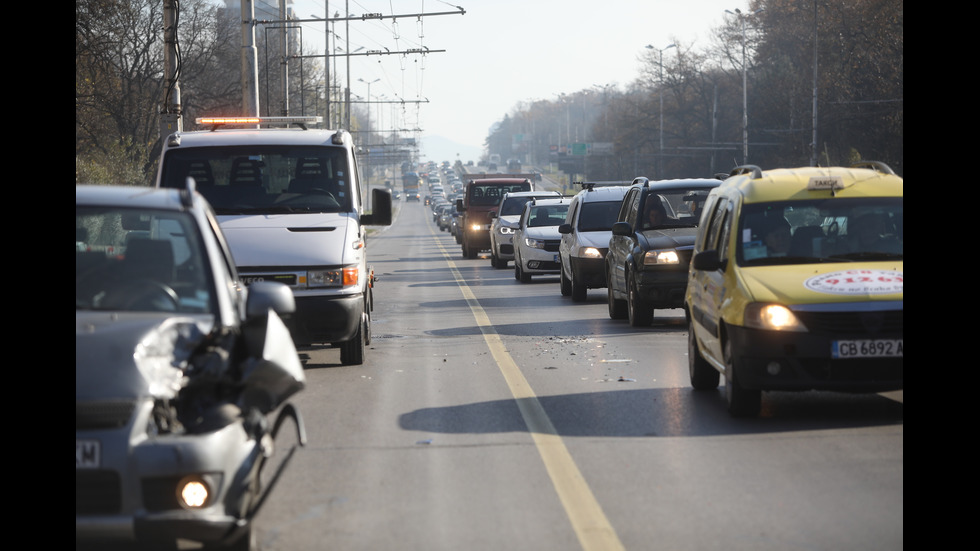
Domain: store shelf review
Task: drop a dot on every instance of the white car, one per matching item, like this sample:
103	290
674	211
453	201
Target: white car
585	239
504	222
536	238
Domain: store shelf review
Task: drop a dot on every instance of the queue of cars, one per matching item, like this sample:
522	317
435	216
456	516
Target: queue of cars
790	279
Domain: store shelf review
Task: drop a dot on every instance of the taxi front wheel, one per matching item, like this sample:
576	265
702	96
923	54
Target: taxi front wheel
742	402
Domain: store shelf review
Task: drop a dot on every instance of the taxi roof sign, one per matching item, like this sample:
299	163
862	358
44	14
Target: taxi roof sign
817	183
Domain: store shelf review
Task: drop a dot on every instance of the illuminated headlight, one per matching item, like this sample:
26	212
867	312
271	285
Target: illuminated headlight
505	230
193	492
772	317
332	278
476	227
652	258
589	252
534	243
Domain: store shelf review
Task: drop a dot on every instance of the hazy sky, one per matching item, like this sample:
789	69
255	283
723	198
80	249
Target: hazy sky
497	54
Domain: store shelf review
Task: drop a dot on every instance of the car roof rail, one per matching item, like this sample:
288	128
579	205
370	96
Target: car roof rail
591	185
877	166
187	193
755	171
641	180
721	175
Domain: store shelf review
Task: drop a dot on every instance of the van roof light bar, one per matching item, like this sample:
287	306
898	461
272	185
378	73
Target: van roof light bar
217	122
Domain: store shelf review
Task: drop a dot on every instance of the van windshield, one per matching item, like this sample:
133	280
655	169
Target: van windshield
264	179
489	195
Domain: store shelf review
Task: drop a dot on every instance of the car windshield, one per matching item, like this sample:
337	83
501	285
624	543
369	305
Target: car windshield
598	215
673	207
513	206
140	260
264	179
827	230
547	215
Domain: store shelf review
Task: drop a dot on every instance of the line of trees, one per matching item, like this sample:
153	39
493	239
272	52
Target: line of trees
120	84
857	46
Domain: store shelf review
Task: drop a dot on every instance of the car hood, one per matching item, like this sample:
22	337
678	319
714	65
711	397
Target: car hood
292	239
673	238
542	232
825	283
597	239
121	355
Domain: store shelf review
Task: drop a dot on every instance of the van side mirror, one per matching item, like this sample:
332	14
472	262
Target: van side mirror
381	209
459	205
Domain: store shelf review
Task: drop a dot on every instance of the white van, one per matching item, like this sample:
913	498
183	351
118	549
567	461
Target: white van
292	206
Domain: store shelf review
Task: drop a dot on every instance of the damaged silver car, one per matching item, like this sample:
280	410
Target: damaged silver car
182	376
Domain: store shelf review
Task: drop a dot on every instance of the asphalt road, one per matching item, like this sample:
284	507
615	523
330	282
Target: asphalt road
494	415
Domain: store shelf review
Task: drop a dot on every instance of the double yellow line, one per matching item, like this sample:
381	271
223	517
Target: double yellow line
589	522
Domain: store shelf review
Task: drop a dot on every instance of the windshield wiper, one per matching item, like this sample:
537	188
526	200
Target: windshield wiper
868	255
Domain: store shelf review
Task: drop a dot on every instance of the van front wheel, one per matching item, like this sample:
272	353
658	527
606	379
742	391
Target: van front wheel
352	351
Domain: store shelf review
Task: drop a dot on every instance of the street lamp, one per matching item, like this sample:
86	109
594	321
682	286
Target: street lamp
660	158
745	101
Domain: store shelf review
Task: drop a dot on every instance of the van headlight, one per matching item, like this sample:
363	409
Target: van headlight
772	317
338	277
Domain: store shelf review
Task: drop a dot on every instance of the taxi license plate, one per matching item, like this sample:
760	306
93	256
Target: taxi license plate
868	348
88	454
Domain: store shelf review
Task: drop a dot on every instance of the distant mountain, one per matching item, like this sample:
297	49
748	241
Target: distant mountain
439	148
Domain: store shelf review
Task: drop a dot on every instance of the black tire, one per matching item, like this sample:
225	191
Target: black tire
566	285
742	402
617	307
470	252
520	274
579	290
703	375
640	312
352	351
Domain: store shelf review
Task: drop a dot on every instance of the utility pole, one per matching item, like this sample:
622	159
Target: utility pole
250	63
170	111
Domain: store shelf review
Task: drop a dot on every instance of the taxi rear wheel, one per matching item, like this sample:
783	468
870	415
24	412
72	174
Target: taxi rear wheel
742	402
703	375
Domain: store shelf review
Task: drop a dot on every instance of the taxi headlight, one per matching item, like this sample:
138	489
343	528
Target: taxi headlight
589	252
193	492
654	258
772	317
340	277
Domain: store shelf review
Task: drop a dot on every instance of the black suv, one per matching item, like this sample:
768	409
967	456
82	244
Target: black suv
651	244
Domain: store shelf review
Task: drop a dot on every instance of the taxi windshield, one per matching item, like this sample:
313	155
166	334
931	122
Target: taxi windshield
258	179
825	230
140	260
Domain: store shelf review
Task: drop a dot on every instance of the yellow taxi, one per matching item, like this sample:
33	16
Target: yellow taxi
796	283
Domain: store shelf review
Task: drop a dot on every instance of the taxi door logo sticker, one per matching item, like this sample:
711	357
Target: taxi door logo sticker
857	282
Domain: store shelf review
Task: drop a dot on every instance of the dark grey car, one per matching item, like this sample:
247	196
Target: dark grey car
651	244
